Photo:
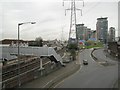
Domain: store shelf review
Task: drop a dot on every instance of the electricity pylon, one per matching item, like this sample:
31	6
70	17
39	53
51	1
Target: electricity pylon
72	32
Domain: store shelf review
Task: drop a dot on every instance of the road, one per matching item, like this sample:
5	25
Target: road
93	75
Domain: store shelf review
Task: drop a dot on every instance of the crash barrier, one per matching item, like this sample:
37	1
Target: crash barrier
93	55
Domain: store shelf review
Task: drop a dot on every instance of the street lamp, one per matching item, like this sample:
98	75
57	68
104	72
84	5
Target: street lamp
19	32
19	83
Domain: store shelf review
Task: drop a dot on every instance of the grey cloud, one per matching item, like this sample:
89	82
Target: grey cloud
49	17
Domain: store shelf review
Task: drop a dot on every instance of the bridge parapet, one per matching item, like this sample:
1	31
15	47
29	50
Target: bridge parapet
8	52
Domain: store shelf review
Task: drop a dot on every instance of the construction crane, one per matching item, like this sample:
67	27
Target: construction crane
73	9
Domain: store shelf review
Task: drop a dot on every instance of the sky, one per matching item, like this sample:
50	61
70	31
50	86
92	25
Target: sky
49	15
119	19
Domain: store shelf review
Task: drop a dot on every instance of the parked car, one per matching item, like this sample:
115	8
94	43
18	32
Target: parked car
85	62
66	60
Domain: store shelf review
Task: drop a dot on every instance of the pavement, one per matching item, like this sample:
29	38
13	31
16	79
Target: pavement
55	77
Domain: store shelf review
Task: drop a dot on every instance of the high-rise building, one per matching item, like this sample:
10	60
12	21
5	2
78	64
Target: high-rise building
80	31
102	29
111	34
85	33
93	34
89	33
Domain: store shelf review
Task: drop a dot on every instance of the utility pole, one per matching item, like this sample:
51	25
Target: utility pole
62	35
73	9
18	41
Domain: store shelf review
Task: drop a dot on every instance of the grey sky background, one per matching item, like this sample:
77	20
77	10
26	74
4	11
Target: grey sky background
50	18
119	19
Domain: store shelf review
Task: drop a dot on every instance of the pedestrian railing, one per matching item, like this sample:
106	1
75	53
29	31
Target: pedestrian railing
9	51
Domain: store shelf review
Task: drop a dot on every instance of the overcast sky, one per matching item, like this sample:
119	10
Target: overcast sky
50	18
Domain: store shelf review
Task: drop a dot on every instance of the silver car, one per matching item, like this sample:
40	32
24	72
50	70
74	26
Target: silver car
85	62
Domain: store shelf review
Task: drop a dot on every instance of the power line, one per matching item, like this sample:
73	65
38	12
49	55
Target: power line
93	7
73	9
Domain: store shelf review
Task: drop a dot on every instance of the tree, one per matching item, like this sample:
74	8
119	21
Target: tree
72	49
73	46
39	41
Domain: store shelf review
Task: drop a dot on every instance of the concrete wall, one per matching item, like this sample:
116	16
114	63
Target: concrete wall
50	67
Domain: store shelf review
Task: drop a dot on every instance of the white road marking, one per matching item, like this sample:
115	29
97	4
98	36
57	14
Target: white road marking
67	77
74	73
92	58
95	61
52	80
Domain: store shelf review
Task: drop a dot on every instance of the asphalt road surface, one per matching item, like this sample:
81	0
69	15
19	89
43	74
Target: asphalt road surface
93	75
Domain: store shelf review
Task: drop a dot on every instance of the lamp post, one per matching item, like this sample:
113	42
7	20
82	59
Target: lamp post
19	83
